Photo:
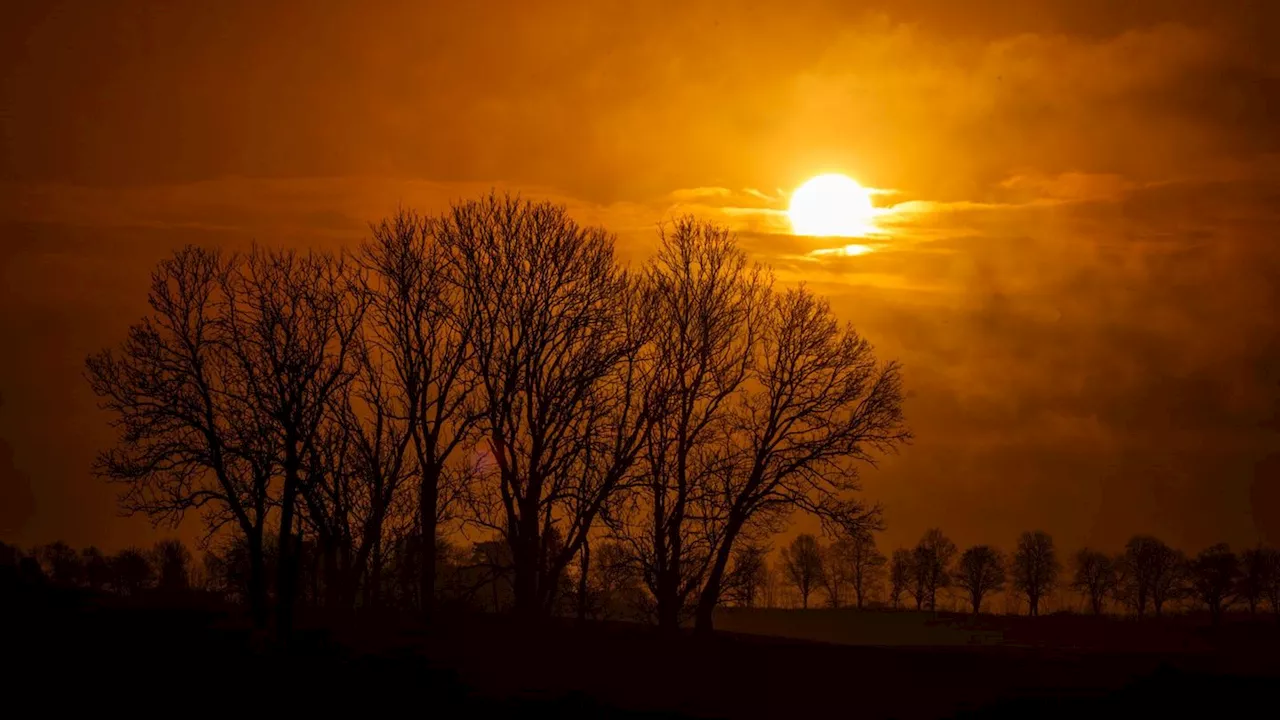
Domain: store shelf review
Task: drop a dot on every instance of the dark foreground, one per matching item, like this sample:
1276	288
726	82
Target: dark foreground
69	651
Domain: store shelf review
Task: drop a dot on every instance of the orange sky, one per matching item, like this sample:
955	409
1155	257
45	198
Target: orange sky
1080	274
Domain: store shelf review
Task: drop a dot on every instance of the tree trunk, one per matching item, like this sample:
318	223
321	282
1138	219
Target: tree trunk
286	571
710	596
428	495
583	566
257	580
526	555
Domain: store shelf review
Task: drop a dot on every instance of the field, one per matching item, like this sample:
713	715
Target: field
147	655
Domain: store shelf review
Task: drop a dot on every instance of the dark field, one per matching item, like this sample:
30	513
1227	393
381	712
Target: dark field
145	656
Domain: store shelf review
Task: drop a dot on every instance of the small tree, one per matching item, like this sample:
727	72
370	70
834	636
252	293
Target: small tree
97	572
172	563
1152	573
900	575
131	572
1035	568
866	567
802	565
1256	568
980	572
61	563
931	561
837	570
1214	576
1095	577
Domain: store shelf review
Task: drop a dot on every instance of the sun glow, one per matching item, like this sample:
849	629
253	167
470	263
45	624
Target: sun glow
831	205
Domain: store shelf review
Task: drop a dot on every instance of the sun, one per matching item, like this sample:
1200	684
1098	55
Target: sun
831	205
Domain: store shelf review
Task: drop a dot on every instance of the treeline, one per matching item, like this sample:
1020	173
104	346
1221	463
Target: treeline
492	370
1147	577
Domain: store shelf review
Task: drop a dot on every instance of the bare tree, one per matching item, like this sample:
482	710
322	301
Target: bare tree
931	563
421	330
1095	577
1152	573
290	326
172	563
706	299
131	572
1035	568
97	571
818	404
185	441
980	572
802	565
1215	573
747	578
61	563
837	570
901	572
860	565
557	332
1257	564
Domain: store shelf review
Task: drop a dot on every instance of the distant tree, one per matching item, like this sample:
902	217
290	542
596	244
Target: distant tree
802	565
1271	579
1257	565
1146	564
866	566
836	575
1152	573
750	573
901	573
1035	568
61	563
1215	573
979	573
931	563
172	562
97	571
131	572
1095	577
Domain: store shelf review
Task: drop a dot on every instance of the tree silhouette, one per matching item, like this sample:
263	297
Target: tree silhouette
172	564
901	572
818	404
422	331
979	573
1257	564
1035	568
1214	576
864	564
557	332
837	571
62	564
931	563
1095	577
749	576
131	572
97	571
706	298
802	565
1152	573
291	323
186	438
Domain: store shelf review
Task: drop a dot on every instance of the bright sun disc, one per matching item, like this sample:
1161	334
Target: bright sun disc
831	205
